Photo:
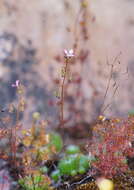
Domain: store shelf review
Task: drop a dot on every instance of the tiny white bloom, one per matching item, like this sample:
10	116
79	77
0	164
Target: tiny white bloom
69	53
130	144
17	83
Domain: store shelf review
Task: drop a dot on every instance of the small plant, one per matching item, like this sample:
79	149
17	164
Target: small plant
35	141
9	135
70	84
73	163
111	145
35	182
19	108
68	55
39	146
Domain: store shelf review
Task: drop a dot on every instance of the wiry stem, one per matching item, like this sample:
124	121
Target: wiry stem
115	86
62	94
13	137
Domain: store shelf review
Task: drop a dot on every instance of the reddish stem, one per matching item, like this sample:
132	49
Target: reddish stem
62	94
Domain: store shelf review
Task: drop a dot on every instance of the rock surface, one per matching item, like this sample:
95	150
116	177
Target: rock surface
50	25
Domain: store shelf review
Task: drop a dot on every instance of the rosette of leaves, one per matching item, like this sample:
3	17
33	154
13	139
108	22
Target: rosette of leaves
35	181
39	146
35	140
73	163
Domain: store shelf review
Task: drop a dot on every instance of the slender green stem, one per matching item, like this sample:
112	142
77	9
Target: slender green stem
62	94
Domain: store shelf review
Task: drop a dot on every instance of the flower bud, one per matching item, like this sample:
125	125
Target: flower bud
36	116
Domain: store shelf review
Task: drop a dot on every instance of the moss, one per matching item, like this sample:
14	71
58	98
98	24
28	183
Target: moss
124	181
121	182
87	186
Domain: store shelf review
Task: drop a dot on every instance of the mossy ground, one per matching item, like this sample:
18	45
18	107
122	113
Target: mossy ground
121	182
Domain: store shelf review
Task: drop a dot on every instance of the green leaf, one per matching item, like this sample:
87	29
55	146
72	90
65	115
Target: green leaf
56	141
44	170
84	162
55	175
72	149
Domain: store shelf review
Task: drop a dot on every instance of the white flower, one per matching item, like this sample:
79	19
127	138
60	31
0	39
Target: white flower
130	144
69	53
17	83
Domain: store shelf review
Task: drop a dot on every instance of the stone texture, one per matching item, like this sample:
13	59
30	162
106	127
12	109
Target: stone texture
110	25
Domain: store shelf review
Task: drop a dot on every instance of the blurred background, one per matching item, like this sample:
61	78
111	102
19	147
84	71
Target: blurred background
33	35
